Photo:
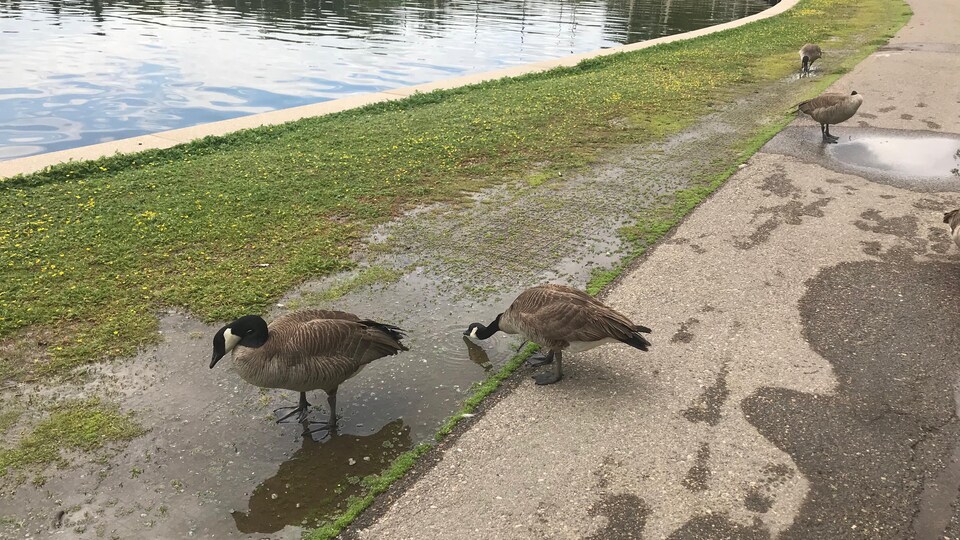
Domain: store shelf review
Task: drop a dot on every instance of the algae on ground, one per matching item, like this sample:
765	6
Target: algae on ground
85	425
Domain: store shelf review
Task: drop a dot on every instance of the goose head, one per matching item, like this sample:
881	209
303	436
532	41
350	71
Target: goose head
249	331
479	331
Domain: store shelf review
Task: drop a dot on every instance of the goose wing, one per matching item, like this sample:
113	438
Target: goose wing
824	105
325	351
291	321
558	313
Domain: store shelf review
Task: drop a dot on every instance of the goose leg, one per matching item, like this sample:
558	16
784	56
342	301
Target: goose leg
330	426
828	137
540	359
556	374
300	410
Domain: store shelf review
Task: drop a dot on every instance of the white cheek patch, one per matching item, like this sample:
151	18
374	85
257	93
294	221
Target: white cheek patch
229	340
473	333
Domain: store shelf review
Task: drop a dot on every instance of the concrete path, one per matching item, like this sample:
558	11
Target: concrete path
804	377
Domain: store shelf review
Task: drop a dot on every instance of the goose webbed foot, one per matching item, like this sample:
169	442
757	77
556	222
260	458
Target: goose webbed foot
547	378
540	359
555	374
301	410
328	429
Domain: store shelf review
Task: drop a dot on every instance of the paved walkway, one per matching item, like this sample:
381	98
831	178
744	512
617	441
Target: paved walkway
804	373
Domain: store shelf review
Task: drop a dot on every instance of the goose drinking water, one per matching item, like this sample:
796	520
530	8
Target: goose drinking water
559	318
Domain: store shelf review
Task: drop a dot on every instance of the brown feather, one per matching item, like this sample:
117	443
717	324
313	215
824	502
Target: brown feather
315	349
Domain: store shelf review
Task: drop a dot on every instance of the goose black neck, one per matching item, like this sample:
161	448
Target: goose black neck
483	332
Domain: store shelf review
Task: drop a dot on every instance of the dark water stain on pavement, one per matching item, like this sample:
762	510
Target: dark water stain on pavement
890	330
873	221
791	213
719	527
626	516
708	406
683	334
759	498
698	477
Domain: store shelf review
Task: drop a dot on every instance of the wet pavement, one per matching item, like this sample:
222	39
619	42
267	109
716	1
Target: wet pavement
804	378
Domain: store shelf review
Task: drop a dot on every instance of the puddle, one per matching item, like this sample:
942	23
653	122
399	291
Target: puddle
935	157
314	480
914	160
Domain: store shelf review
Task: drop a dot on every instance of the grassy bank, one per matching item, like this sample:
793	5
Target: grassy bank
223	226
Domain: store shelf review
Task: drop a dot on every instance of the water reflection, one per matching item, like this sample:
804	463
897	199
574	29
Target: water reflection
477	355
103	70
907	156
319	477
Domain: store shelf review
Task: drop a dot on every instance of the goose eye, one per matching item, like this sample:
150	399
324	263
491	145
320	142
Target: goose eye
248	332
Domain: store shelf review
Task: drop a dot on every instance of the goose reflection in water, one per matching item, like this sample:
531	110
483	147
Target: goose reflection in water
319	477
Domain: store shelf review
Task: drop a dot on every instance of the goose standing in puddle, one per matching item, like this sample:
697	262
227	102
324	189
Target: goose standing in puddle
560	318
305	351
809	54
830	109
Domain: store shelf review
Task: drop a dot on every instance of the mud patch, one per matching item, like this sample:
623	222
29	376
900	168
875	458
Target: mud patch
698	477
710	404
906	116
868	449
626	516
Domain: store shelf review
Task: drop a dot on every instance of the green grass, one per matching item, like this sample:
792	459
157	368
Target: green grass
72	425
223	226
366	277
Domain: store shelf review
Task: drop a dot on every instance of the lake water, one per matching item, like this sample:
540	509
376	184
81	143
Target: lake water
81	72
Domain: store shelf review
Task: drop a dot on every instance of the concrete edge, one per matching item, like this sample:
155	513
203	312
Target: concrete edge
166	139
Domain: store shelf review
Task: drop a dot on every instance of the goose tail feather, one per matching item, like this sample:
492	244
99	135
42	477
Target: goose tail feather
636	340
396	333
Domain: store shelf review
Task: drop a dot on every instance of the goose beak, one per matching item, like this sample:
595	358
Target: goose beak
223	342
216	358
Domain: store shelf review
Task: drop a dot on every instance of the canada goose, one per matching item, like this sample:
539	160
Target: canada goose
305	350
558	317
831	109
953	219
809	53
